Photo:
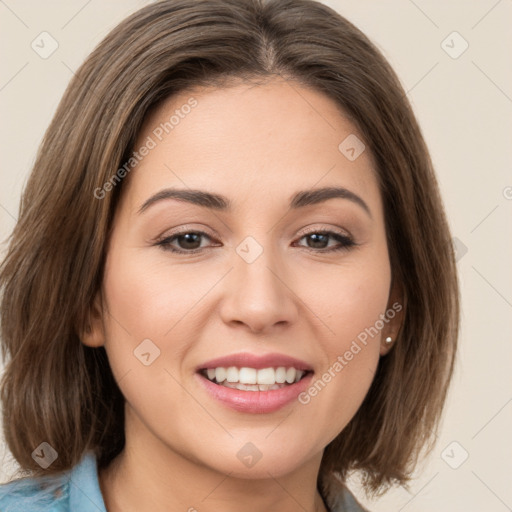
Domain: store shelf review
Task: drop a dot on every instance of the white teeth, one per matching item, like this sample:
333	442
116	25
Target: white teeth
232	374
251	378
281	375
267	376
220	374
252	387
248	375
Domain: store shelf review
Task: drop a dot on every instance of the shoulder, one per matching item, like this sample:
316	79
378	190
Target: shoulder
63	492
350	504
338	496
35	495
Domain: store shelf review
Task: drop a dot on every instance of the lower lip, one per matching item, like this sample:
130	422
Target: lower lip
256	402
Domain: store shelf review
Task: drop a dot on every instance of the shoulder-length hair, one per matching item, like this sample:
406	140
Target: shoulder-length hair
58	390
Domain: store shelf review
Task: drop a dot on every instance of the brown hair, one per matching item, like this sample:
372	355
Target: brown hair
58	390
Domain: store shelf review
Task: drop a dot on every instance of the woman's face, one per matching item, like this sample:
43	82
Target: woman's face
268	272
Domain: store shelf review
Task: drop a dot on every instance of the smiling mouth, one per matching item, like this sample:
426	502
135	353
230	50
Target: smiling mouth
252	379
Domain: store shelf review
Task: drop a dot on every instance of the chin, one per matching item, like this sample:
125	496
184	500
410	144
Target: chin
263	469
258	460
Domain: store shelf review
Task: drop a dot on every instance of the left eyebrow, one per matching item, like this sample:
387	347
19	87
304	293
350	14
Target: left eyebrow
219	202
314	196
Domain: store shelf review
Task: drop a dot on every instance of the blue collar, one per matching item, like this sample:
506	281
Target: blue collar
84	488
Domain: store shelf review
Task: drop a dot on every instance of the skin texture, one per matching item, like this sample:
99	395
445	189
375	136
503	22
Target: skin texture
257	145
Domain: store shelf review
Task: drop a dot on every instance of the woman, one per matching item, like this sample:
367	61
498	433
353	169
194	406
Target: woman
220	288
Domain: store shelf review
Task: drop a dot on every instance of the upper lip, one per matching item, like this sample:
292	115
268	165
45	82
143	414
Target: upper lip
245	359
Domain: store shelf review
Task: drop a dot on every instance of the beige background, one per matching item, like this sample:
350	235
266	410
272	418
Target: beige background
464	106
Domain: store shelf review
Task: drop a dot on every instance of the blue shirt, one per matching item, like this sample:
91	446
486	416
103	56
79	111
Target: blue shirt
78	490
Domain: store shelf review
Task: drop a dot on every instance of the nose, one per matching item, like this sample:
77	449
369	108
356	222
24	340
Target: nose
257	294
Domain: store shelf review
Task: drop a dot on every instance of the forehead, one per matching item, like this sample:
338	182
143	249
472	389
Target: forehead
245	140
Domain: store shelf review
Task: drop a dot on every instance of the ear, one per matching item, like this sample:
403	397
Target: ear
395	313
93	335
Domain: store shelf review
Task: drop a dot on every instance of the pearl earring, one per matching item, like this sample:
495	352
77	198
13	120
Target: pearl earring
389	339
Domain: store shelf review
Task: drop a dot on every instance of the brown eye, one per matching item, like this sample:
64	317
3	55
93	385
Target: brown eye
319	240
187	241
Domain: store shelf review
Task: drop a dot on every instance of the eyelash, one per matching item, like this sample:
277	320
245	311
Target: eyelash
346	242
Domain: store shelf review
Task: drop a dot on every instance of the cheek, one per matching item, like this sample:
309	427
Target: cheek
349	300
353	302
150	298
149	328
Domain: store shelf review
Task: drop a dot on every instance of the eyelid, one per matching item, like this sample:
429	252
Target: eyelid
315	229
185	228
